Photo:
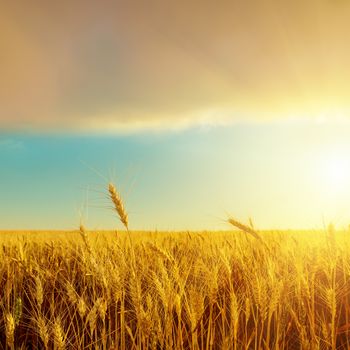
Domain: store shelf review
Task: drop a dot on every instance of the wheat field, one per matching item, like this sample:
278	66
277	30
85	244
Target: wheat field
167	290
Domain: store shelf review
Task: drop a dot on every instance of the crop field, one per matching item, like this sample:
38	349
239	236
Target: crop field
175	290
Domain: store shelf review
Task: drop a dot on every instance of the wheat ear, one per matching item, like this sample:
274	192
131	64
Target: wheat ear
244	228
118	204
85	237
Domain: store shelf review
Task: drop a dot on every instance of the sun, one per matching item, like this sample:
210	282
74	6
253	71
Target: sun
336	172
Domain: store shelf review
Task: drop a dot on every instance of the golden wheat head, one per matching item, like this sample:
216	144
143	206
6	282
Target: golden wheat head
118	204
244	228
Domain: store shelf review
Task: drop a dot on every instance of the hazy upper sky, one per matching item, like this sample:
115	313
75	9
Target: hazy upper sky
135	64
202	107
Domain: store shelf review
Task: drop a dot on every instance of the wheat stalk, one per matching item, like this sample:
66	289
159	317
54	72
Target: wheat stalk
85	237
39	291
244	228
58	335
43	331
92	317
18	311
71	293
118	204
249	230
81	307
10	330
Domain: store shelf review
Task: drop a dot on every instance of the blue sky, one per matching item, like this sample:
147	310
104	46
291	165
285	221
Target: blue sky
278	173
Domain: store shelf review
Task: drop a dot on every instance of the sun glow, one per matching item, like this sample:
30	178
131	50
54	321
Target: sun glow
336	173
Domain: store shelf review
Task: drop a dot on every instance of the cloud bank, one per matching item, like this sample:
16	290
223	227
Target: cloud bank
125	65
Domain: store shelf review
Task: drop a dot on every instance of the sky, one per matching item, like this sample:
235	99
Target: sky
195	109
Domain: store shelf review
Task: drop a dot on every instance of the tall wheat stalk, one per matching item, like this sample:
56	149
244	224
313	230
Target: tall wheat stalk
249	230
118	205
244	228
123	217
